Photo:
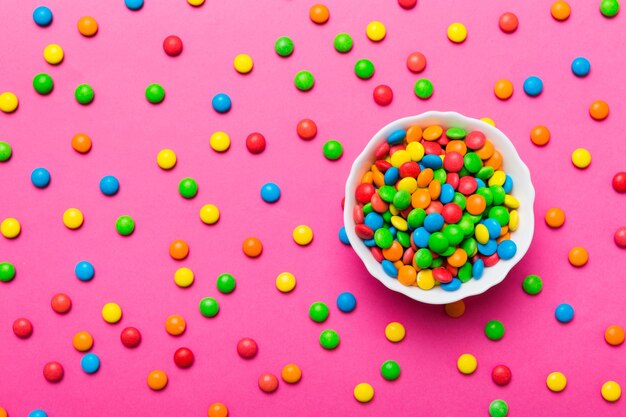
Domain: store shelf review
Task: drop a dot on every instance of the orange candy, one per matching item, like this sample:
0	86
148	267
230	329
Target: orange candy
421	197
291	373
394	252
407	275
433	132
456	309
252	247
495	161
614	335
319	14
218	410
540	135
413	134
555	217
503	89
599	110
425	177
475	204
175	325
578	256
458	258
456	146
157	380
560	10
179	249
486	151
87	26
81	143
434	189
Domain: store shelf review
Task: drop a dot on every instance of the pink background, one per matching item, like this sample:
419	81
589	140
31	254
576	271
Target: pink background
137	272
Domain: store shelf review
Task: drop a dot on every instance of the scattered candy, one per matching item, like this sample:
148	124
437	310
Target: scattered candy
376	31
457	32
37	413
467	364
184	277
87	26
42	16
620	237
501	375
175	325
155	93
560	10
423	88
84	94
109	185
407	4
343	43
581	158
82	341
455	309
303	235
285	282
270	192
221	103
578	256
503	89
209	214
329	339
218	409
611	391
157	380
81	143
363	392
220	141
10	228
533	86
581	67
556	382
268	383
8	102
319	14
494	330
364	69
498	408
555	217
619	181
304	81
53	372
184	357
247	348
5	151
599	110
130	337
346	302
40	177
61	303
209	307
318	312
255	142
243	63
306	129
179	249
125	225
390	370
84	271
134	4
508	22
614	335
22	328
252	247
291	373
196	3
383	95
111	313
284	46
416	62
226	283
73	218
173	45
609	8
564	313
333	150
188	188
532	285
395	332
7	271
43	84
90	363
540	135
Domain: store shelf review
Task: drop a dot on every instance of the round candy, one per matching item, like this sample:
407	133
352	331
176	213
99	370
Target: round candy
173	45
130	337
209	307
283	46
252	247
611	391
318	312
363	392
7	271
61	303
343	43
209	214
3	412
494	330
81	143
503	89
303	235
5	151
82	341
221	103
10	228
188	188
111	313
304	80
157	380
134	4
319	14
183	357
390	370
22	328
291	373
183	277
540	135
498	408
555	217
564	313
40	177
619	182
532	284
84	271
53	372
268	383
599	110
457	32
346	302
501	375
508	22
42	16
175	325
620	237
560	10
166	159
416	62
376	31
423	88
609	8
226	283
255	142
285	282
220	141
614	335
329	339
8	102
84	94
155	93
109	185
581	66
556	382
179	249
455	309
196	3
247	348
125	225
307	130
581	158
333	150
87	26
218	409
270	192
533	86
407	4
243	63
90	363
383	95
578	256
364	69
467	363
73	218
43	84
37	413
395	332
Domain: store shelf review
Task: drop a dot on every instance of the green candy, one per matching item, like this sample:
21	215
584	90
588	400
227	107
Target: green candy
466	226
226	283
498	194
486	194
609	8
329	339
5	151
155	93
343	43
456	133
436	263
494	330
383	238
402	199
500	214
304	81
459	199
465	272
188	188
438	243
464	172
84	94
423	88
472	162
7	271
423	258
364	69
125	225
498	408
390	370
43	84
454	233
318	312
440	175
367	209
333	150
387	217
209	307
404	238
470	246
448	252
474	219
485	173
532	284
387	193
283	46
416	218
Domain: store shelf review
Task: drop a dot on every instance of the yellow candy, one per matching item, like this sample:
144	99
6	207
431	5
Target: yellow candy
302	235
489	121
457	32
111	313
73	218
196	2
376	31
10	228
209	214
497	178
400	157
363	392
220	141
482	234
393	210
285	282
243	63
513	220
467	363
611	391
581	158
8	102
166	159
415	150
399	223
556	382
511	202
407	184
53	54
425	279
395	332
183	277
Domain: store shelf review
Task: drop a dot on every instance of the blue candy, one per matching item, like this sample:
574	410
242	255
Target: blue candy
453	285
480	183
221	103
489	248
478	269
581	66
374	221
391	176
134	4
389	268
393	231
422	167
564	313
90	363
37	413
270	192
343	236
508	184
447	194
109	185
533	86
396	137
493	227
432	161
346	302
433	222
84	271
507	249
42	16
40	177
370	243
420	237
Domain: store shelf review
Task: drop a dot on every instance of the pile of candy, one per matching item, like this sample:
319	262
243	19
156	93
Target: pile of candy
436	208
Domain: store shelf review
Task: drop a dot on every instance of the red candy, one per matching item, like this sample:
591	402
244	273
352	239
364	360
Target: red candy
383	95
407	257
131	338
435	206
268	383
378	204
53	372
382	151
453	179
442	275
416	62
443	141
382	165
358	215
490	260
508	23
475	140
409	169
364	192
255	142
432	148
467	185
395	148
453	162
407	4
619	182
620	237
61	303
363	231
172	45
377	253
501	375
247	348
452	213
183	357
22	328
307	129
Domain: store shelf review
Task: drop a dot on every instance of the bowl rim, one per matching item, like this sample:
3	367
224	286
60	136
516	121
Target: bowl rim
438	295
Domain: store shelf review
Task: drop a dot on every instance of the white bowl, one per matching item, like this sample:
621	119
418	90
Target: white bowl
523	190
